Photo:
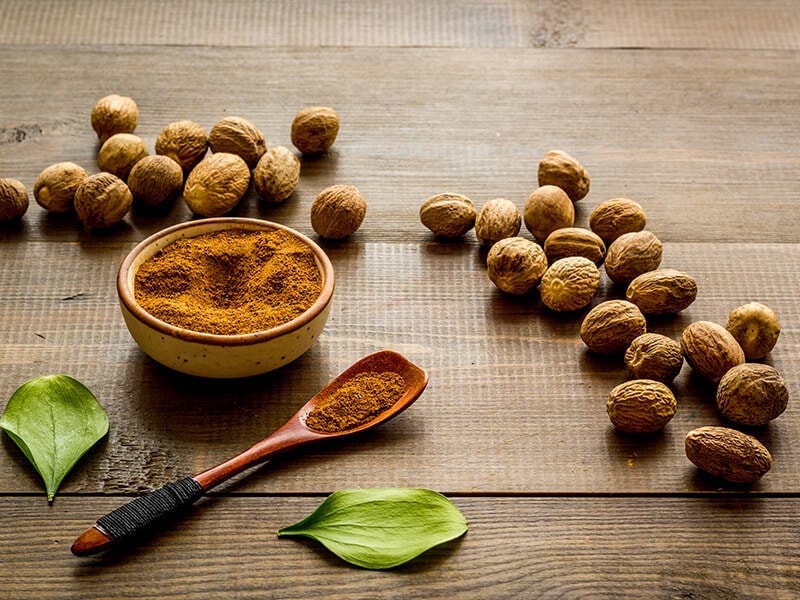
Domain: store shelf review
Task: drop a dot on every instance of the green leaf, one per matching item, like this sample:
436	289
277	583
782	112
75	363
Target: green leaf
380	528
54	420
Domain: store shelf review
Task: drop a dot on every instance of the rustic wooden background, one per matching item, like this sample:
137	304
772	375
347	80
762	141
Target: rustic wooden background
689	108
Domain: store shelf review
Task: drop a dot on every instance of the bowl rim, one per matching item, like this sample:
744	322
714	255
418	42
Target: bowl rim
210	225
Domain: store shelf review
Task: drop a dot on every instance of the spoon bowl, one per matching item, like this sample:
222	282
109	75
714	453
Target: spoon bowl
146	511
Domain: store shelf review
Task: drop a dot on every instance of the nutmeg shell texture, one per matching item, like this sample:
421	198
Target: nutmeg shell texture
217	184
114	114
55	187
338	211
185	142
236	135
13	200
102	200
314	129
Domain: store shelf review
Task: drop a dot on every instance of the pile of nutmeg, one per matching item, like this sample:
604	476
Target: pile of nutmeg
212	184
564	262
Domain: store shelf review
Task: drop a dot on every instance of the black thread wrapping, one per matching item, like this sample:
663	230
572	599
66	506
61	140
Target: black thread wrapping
136	516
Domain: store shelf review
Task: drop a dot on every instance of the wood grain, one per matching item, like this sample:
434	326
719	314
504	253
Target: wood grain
735	24
614	547
701	140
689	108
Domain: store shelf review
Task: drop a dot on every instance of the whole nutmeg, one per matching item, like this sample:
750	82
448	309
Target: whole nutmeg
13	200
314	129
728	454
574	241
756	327
614	217
448	215
498	219
185	142
119	153
155	179
338	211
239	136
632	254
102	200
114	114
710	349
276	174
515	265
563	170
548	208
752	394
55	187
641	406
611	326
654	356
569	284
217	184
662	291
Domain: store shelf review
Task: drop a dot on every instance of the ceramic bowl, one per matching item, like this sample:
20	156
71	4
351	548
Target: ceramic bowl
220	356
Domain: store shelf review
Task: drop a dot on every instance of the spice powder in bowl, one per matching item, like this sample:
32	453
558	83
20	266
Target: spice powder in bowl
230	282
226	297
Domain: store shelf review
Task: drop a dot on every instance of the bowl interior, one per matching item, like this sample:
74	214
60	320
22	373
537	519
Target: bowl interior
149	247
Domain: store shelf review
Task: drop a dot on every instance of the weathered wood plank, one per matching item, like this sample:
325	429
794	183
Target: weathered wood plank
734	24
655	548
706	141
506	374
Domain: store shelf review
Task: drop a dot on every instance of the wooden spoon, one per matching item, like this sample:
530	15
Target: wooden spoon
146	511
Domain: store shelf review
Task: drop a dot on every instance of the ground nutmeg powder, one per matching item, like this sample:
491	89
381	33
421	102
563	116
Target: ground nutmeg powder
359	401
230	282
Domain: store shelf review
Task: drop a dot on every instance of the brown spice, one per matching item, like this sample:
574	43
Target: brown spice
230	282
357	402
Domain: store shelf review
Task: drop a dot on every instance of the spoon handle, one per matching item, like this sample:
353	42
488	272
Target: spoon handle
138	515
142	513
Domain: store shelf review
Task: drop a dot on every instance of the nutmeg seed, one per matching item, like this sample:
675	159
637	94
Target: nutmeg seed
338	211
102	200
654	356
235	135
119	153
13	200
752	394
55	187
314	129
217	184
563	170
185	142
569	284
498	219
728	454
155	180
548	208
448	215
515	265
114	114
641	406
611	326
276	174
632	254
710	349
756	327
662	291
574	241
612	218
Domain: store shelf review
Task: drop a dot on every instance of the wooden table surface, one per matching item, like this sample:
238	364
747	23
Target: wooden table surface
689	108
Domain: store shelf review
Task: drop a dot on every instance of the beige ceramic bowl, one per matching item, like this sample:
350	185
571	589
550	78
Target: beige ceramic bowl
220	356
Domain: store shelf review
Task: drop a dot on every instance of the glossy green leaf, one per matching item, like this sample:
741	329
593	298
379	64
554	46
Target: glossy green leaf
380	528
54	420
